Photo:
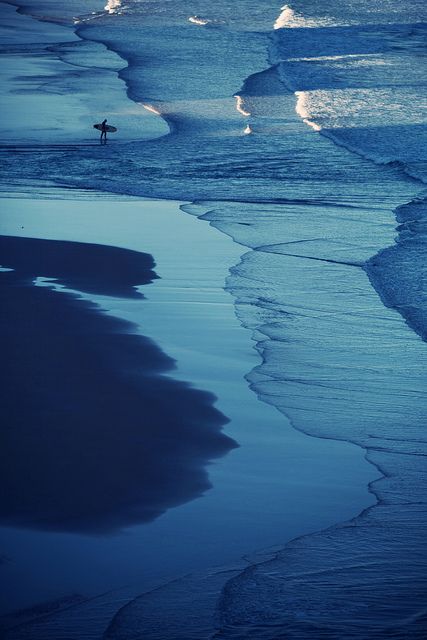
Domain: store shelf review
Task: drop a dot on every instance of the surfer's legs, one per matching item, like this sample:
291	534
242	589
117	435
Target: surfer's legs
103	137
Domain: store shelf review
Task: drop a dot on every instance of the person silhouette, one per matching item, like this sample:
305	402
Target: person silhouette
103	131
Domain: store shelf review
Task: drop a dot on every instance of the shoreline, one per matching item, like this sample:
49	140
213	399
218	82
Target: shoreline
201	308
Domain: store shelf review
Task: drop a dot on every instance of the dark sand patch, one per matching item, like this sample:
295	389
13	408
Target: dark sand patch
90	268
95	438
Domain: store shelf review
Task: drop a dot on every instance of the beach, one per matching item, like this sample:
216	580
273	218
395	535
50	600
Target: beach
213	353
215	359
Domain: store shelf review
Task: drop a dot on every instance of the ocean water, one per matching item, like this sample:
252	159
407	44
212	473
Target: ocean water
299	131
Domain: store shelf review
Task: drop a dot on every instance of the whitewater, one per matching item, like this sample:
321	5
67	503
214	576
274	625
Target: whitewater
299	132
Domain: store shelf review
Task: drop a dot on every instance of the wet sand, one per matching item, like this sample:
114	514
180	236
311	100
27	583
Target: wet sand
276	485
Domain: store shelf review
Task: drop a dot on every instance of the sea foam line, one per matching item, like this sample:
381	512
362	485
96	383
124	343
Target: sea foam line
150	108
240	106
290	19
113	6
301	109
198	20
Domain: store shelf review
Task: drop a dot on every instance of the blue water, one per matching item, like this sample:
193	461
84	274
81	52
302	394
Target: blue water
298	131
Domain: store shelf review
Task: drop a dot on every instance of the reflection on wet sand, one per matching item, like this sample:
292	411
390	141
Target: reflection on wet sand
95	436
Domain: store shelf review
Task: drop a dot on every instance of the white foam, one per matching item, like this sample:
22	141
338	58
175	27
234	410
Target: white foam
364	107
113	6
289	18
240	106
151	109
198	20
367	58
301	108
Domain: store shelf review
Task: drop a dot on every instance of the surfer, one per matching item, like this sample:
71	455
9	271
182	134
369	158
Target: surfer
103	131
104	128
